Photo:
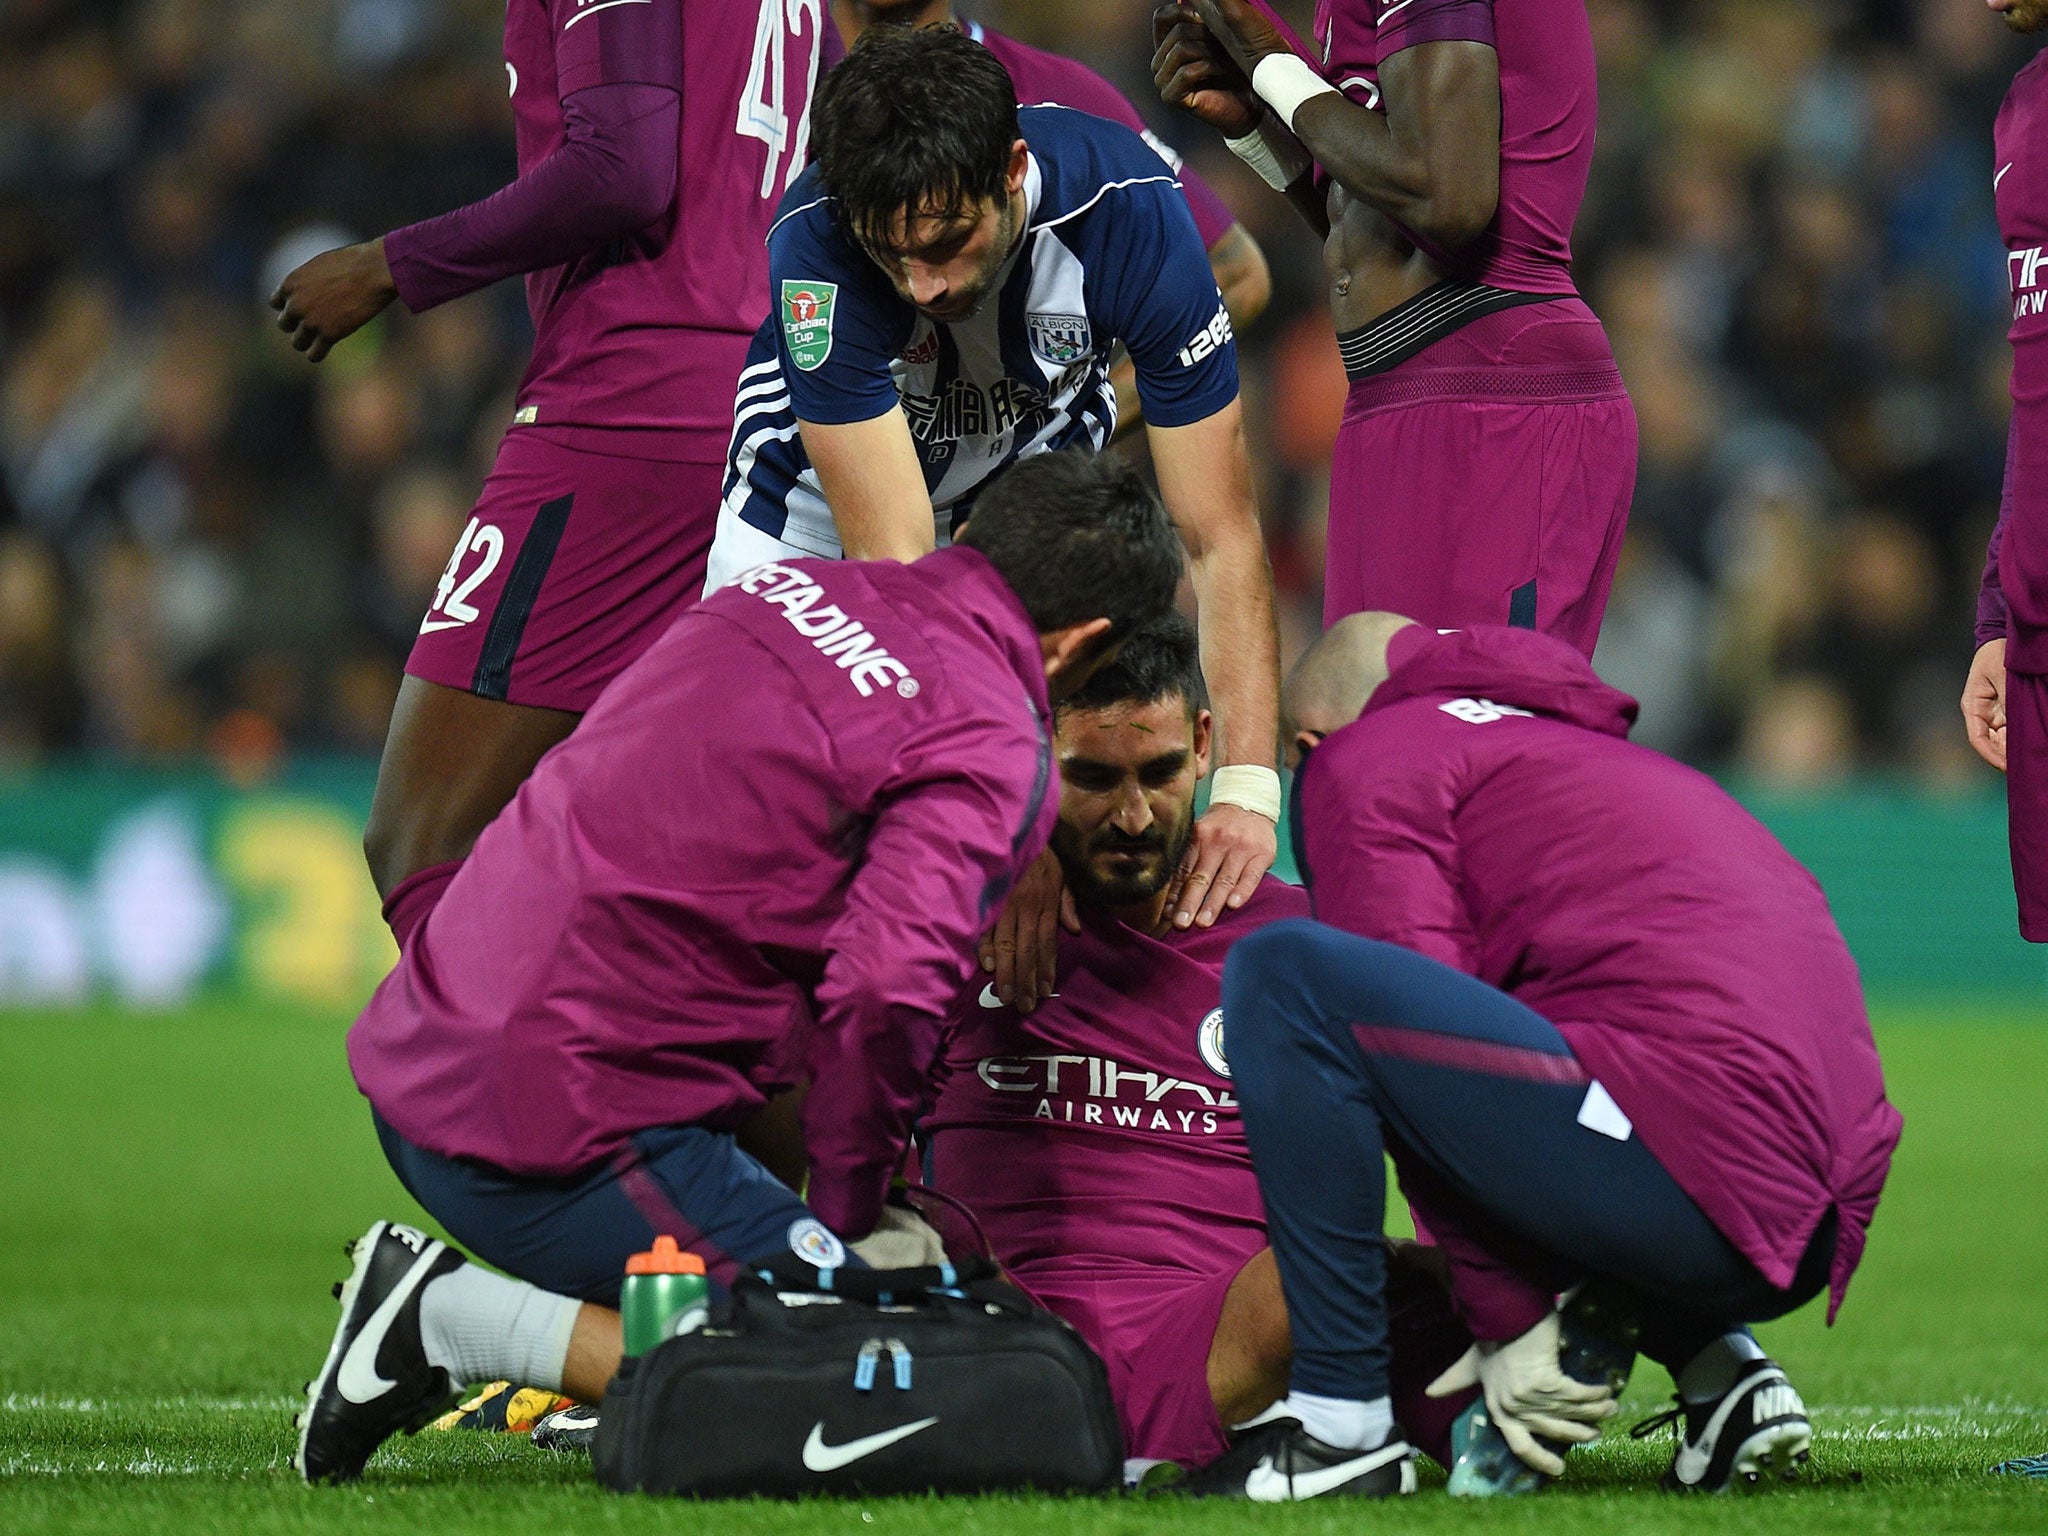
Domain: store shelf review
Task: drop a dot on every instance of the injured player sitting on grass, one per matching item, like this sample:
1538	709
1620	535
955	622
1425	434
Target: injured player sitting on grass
1096	1138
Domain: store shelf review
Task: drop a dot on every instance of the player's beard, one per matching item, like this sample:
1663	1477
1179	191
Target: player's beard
1098	880
2027	15
965	301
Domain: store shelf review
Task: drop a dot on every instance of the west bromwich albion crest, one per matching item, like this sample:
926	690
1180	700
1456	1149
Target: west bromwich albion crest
1060	339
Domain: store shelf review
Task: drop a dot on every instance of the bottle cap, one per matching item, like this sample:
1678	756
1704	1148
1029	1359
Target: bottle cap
665	1259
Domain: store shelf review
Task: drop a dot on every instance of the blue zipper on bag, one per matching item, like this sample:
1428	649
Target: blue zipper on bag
864	1365
900	1353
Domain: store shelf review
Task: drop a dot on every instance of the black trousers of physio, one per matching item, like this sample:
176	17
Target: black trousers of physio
1342	1049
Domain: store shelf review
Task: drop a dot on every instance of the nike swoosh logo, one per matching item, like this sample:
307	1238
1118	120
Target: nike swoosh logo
820	1457
358	1379
1265	1485
428	626
2001	175
990	1000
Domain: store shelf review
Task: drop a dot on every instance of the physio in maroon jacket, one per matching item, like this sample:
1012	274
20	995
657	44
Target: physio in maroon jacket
1600	1018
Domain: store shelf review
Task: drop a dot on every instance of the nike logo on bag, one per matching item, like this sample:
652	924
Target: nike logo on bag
820	1457
1268	1485
358	1378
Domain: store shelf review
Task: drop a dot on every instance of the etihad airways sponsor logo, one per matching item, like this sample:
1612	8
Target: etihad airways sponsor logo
1096	1090
2024	269
831	630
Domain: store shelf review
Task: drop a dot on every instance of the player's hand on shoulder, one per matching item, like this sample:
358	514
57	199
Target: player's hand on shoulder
333	296
1229	855
1193	72
1984	703
1022	950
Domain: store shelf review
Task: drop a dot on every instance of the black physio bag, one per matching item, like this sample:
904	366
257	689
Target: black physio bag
945	1380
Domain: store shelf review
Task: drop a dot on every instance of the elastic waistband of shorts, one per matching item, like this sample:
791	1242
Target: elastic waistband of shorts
1539	385
1416	323
652	445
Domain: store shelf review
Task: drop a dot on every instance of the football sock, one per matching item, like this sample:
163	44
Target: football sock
478	1326
1712	1371
415	896
1343	1422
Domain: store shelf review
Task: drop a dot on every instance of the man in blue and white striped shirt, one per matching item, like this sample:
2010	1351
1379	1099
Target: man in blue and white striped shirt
950	285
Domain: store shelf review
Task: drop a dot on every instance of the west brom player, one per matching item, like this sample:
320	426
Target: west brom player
655	138
1096	1139
1441	148
764	855
2005	702
1626	1043
1043	78
951	283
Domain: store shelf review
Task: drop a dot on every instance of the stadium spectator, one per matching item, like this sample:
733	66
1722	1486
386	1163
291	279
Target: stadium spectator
287	124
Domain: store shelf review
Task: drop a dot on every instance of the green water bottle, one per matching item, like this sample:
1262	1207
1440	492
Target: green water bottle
665	1294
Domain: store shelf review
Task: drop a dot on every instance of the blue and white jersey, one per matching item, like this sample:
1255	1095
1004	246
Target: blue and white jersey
1110	255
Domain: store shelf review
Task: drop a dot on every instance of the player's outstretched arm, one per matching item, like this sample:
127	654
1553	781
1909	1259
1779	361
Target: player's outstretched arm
874	484
614	173
938	858
1430	162
1205	481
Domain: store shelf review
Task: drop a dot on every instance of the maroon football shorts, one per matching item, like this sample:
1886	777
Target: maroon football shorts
571	564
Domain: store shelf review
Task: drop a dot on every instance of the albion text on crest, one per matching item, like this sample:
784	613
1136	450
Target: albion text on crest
1060	338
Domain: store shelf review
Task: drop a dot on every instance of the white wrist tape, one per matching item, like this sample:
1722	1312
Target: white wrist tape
1278	166
1284	81
1250	787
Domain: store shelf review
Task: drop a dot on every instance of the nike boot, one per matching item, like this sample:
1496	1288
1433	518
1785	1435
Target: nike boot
573	1428
1280	1461
376	1380
1758	1425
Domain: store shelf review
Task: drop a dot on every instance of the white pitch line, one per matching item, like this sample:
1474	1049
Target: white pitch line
30	1402
144	1466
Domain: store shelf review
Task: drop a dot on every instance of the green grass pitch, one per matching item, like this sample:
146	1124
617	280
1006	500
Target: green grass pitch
177	1188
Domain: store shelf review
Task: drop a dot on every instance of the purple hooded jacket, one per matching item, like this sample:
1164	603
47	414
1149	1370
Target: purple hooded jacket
1487	810
764	856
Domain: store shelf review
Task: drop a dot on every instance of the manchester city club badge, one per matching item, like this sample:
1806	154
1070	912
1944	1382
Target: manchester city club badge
1060	339
1209	1041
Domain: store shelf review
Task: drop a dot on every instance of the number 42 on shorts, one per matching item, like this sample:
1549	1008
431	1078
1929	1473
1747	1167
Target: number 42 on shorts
451	607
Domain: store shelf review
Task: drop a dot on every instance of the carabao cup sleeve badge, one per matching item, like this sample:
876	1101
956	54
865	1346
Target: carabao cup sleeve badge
807	321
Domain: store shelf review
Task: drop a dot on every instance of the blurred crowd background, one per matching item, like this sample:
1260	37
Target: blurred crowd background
209	547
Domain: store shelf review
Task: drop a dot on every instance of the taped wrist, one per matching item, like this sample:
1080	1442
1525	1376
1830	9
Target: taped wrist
1250	787
1283	81
1279	166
